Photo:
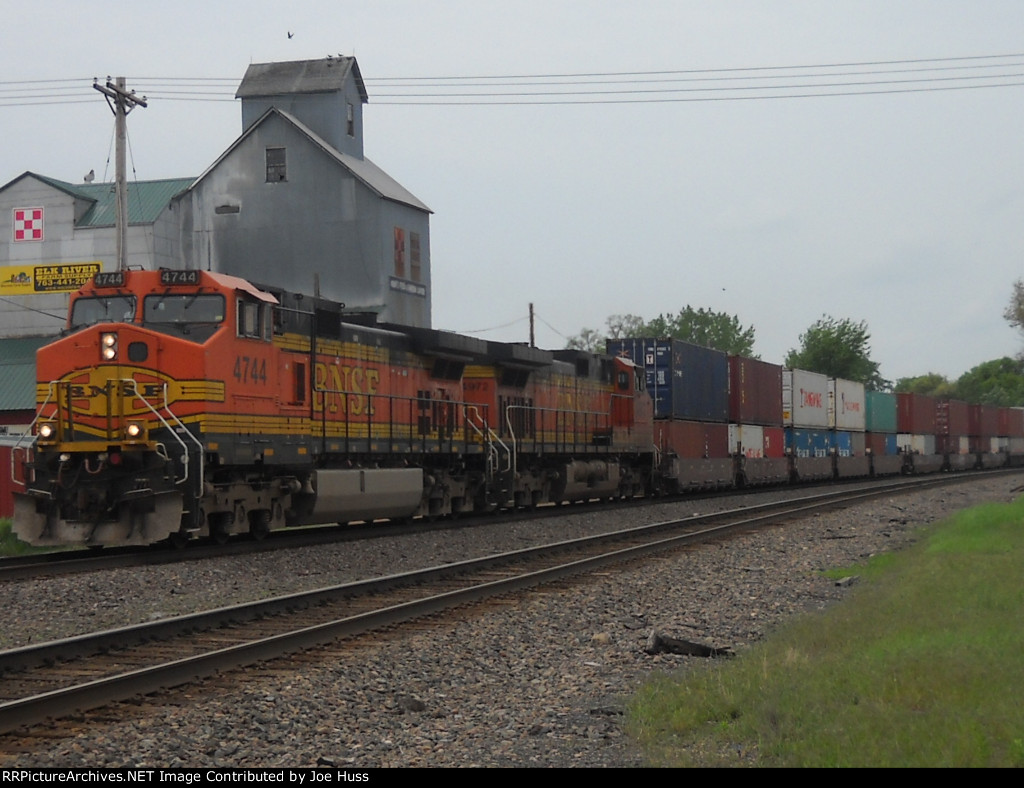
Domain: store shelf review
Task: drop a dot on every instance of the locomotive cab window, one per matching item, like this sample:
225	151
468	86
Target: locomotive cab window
105	309
253	320
192	316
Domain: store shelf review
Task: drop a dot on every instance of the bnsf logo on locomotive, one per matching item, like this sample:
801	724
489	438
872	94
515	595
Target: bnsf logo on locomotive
89	391
346	389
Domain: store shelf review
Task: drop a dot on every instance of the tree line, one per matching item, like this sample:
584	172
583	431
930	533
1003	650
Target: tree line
839	348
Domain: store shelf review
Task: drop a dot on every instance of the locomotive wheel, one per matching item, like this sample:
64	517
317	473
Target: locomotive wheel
259	524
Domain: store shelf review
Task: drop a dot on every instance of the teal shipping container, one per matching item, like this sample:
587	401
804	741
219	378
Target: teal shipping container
881	411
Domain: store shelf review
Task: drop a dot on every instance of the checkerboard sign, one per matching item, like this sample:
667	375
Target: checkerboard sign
28	224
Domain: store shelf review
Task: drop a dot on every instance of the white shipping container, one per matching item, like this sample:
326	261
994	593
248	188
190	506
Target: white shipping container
847	405
805	399
916	444
747	439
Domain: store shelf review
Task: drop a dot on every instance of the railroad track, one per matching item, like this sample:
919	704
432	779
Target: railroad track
68	562
62	678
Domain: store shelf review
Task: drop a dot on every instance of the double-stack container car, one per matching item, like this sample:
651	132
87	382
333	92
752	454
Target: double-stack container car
183	404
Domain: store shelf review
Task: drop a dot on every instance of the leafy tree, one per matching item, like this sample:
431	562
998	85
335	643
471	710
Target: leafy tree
699	326
704	327
622	326
618	327
839	349
1014	313
588	339
932	385
997	382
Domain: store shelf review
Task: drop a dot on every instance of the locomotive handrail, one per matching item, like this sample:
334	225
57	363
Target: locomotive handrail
557	411
368	412
184	457
29	434
490	438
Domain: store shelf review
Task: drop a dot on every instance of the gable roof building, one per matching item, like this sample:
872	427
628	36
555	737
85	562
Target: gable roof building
291	204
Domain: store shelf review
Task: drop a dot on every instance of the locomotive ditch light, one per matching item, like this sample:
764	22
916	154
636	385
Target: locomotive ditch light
47	432
108	346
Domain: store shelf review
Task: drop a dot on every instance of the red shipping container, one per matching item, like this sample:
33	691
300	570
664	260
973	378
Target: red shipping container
915	413
755	392
1011	422
693	439
774	442
983	421
951	417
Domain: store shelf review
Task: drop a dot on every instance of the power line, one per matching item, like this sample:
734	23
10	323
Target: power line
721	70
717	84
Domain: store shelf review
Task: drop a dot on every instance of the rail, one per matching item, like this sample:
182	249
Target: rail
59	678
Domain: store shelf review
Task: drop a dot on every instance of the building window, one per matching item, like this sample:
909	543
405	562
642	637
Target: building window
350	119
277	167
400	252
416	271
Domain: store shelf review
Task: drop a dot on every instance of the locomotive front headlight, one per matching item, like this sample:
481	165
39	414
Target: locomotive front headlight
47	431
135	430
108	346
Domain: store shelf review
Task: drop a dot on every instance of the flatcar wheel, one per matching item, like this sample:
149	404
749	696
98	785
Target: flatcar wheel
219	524
177	540
259	524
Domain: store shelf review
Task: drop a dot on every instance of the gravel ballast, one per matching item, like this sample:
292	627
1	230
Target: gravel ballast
537	680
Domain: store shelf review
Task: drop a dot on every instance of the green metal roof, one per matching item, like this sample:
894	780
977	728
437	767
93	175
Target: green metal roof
146	199
18	372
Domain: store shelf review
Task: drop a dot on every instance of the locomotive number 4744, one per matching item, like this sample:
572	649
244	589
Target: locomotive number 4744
250	369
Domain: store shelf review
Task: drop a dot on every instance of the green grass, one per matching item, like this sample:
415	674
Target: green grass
922	666
9	543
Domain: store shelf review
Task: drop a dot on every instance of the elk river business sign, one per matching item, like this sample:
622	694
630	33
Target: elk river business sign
46	277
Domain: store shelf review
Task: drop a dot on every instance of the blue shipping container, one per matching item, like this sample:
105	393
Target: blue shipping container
808	443
686	381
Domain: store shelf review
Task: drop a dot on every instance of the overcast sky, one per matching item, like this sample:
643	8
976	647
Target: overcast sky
896	203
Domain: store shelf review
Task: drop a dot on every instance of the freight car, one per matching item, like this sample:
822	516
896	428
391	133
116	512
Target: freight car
182	404
188	403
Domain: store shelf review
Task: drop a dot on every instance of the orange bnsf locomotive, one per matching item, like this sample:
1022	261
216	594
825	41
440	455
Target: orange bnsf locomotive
189	403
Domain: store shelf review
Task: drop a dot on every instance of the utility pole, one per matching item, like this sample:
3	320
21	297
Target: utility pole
121	103
532	342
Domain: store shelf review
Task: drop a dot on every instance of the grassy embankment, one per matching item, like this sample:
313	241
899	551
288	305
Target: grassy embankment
922	666
9	544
